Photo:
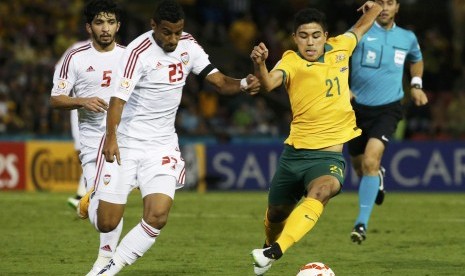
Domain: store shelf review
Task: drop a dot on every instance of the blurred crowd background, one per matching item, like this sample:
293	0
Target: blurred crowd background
35	33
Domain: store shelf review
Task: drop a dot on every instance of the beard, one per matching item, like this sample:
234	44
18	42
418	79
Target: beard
103	42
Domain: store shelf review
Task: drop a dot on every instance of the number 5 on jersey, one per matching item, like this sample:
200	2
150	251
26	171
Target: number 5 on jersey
106	78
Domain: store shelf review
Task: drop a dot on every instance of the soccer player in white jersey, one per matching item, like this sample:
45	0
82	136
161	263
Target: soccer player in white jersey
88	71
74	123
151	77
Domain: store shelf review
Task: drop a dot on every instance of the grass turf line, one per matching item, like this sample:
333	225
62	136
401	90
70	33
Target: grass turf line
213	234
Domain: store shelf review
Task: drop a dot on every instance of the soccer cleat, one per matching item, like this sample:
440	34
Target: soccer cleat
106	270
83	205
358	234
94	271
73	202
261	263
381	192
110	269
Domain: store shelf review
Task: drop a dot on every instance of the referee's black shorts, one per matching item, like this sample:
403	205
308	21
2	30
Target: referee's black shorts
378	122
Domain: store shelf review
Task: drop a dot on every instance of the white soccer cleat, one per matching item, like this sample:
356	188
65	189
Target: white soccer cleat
73	202
261	263
110	269
381	192
94	271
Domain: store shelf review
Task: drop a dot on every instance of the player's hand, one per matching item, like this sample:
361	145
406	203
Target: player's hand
367	6
110	149
253	85
259	53
418	96
352	95
94	104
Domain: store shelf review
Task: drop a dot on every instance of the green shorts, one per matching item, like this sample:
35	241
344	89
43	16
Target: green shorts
297	168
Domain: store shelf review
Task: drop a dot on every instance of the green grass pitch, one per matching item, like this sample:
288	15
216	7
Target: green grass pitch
213	234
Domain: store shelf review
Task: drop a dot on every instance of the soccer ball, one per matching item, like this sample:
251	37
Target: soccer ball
315	269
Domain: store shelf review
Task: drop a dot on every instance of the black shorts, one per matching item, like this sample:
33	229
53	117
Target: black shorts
378	122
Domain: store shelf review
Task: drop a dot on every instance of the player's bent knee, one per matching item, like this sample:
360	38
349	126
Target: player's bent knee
323	191
156	220
106	225
109	216
370	166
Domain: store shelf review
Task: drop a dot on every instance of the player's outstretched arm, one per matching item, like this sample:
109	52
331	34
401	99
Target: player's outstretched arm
268	80
370	10
94	104
110	147
228	86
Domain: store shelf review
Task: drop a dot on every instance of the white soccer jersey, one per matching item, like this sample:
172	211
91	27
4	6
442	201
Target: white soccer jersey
89	73
151	81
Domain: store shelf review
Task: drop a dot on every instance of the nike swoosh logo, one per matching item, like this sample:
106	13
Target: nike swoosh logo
385	138
308	65
371	38
307	217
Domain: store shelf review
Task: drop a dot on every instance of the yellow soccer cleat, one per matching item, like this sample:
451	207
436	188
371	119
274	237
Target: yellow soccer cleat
83	205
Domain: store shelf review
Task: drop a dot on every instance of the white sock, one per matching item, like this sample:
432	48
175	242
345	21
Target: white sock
135	243
108	243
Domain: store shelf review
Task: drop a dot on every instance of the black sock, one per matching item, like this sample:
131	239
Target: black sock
274	252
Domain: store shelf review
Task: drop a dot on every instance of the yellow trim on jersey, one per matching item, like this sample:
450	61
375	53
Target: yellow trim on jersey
319	95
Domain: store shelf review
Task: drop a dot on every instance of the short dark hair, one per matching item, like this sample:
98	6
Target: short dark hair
94	7
168	10
310	15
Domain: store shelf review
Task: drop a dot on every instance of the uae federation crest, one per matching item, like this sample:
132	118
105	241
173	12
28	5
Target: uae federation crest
185	58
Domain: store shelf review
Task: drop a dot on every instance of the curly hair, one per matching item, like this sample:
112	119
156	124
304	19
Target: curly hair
168	10
94	7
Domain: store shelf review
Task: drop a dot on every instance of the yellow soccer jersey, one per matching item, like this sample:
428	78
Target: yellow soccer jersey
319	95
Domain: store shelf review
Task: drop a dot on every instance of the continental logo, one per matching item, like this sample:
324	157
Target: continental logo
48	169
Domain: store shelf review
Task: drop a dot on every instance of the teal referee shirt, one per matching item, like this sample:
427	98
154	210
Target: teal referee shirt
377	64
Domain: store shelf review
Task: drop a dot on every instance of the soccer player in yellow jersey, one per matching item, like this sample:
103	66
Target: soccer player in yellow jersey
311	164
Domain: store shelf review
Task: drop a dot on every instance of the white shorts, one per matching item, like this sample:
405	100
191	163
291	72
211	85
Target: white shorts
89	157
91	150
141	166
88	172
